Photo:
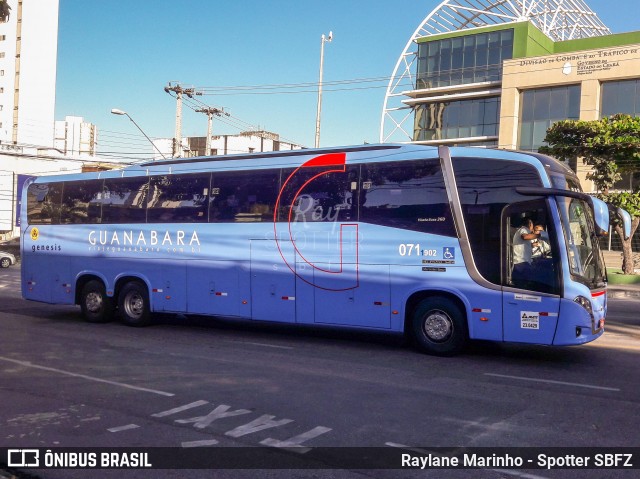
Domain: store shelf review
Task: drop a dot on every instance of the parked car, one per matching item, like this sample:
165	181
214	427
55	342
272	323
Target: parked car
11	246
6	259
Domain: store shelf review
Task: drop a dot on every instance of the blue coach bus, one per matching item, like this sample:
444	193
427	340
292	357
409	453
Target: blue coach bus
400	238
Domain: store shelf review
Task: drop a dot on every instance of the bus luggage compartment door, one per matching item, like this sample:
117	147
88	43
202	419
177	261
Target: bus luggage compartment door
358	296
273	283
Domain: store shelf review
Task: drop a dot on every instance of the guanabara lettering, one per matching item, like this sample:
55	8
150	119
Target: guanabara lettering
143	238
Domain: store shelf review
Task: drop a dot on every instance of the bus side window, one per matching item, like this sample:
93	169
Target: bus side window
408	195
44	201
324	197
530	262
81	202
124	200
243	196
178	199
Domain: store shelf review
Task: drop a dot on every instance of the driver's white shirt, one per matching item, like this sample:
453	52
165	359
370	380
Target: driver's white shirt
521	247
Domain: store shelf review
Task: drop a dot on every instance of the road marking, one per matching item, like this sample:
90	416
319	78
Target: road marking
294	444
260	344
509	472
220	412
123	428
204	443
27	364
263	422
551	381
176	410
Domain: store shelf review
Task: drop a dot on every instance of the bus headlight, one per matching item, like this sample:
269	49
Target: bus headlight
586	304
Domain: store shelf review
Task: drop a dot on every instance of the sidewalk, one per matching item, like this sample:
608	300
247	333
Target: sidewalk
623	291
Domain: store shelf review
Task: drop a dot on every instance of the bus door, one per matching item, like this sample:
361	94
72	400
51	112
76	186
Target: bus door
531	279
273	283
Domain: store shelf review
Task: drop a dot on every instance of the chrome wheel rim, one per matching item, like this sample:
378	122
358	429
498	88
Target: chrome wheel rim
134	305
93	302
437	326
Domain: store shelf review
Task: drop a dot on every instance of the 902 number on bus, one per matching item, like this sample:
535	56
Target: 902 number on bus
413	249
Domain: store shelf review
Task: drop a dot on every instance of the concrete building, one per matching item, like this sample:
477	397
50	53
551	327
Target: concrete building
28	56
245	142
74	136
481	73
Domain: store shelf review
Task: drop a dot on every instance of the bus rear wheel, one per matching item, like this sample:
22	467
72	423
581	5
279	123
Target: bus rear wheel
439	327
96	306
133	304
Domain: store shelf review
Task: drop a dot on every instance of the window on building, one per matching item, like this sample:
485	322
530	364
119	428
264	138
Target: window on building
457	119
620	97
542	107
468	59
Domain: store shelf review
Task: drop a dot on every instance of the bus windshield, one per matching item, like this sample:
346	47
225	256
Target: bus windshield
585	259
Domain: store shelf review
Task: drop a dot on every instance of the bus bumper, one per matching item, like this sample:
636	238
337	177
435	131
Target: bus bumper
580	325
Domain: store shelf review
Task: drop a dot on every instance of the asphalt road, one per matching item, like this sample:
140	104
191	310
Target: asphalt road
193	383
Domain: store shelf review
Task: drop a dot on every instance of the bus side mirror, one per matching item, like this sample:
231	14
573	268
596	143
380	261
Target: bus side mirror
625	217
601	216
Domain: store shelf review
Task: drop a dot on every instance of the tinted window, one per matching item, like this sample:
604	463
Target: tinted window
409	195
81	202
486	187
43	203
178	199
243	196
312	196
474	58
621	97
124	200
541	108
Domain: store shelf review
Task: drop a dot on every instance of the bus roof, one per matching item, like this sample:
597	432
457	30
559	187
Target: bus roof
294	158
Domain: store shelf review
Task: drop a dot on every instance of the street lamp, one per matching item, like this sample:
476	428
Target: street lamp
116	111
322	42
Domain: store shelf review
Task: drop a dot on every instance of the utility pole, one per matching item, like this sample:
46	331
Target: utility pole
210	111
179	91
323	40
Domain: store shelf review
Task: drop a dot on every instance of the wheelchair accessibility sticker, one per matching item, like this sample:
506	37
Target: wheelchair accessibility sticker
449	253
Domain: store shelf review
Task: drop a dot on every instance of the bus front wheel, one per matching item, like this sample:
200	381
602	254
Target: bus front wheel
133	304
96	306
439	327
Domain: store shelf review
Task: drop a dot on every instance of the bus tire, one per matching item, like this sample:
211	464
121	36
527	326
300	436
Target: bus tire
96	306
439	327
133	304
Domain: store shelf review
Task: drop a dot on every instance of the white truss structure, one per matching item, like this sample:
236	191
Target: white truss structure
558	19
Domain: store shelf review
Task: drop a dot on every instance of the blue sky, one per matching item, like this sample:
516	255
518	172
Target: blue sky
121	54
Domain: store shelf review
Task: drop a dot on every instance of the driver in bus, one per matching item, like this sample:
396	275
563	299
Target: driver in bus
522	252
541	248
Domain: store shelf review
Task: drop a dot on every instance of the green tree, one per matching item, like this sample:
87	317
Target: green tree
610	146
